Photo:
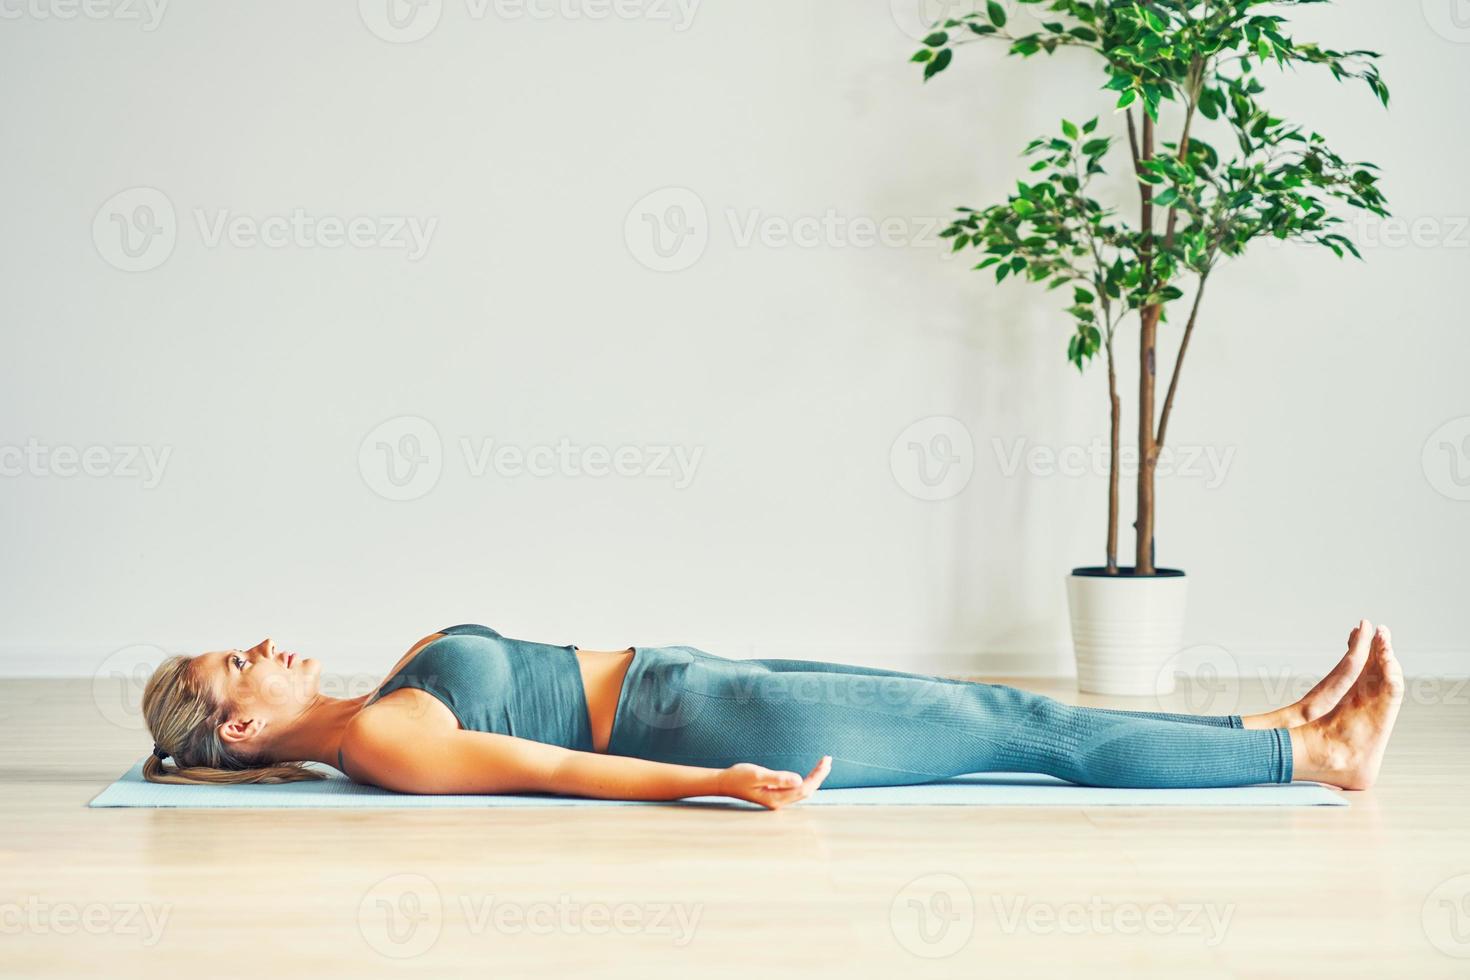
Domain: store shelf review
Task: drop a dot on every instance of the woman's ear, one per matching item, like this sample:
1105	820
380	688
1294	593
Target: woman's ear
237	731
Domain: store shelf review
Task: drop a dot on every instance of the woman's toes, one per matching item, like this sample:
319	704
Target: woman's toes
1330	690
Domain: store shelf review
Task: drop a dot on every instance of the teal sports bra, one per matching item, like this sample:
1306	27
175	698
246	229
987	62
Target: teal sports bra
495	684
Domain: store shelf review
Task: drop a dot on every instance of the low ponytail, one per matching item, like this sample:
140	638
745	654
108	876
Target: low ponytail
184	721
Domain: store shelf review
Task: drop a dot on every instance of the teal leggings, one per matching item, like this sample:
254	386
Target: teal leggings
889	728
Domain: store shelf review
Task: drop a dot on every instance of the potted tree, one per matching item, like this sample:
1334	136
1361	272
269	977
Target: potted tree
1191	70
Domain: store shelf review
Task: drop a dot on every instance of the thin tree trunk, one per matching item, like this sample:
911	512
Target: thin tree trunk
1143	559
1147	448
1115	405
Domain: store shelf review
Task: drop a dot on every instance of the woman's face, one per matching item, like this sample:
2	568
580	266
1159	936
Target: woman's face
264	686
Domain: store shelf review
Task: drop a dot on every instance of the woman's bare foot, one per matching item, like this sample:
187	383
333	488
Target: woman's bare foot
1329	690
1345	747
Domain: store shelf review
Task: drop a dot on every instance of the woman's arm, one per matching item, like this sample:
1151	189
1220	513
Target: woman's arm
459	761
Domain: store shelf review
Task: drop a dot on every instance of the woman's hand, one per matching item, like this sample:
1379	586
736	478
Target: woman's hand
770	788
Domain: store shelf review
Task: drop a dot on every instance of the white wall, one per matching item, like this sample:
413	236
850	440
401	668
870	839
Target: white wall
790	369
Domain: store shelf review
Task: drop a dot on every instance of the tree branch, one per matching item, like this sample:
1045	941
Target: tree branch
1133	142
1179	360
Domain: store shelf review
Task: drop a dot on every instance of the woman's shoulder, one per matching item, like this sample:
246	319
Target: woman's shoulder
387	732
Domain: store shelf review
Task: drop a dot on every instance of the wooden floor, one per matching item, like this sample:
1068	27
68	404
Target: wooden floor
1381	889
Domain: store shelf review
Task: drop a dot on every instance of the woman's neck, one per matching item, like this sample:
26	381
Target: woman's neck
316	734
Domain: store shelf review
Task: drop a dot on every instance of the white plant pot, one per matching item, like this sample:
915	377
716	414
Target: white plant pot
1125	629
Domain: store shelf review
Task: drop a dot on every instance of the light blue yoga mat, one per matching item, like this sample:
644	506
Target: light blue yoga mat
979	789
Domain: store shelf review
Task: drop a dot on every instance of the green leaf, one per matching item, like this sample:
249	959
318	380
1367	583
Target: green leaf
941	61
996	12
936	39
1126	99
1069	130
922	55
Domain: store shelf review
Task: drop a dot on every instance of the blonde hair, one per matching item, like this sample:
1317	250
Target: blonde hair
184	718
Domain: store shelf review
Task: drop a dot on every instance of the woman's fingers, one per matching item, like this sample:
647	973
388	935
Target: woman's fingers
793	788
779	780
